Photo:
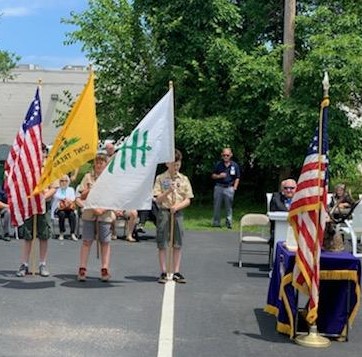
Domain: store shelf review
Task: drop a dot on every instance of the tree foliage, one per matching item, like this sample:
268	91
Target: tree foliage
8	61
225	60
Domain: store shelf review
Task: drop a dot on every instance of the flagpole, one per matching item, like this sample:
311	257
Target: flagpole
314	339
33	265
35	225
172	219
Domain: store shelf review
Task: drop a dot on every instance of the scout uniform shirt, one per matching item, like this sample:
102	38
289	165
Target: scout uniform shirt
87	215
183	189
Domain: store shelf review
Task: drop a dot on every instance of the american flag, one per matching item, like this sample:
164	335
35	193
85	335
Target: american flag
308	214
23	167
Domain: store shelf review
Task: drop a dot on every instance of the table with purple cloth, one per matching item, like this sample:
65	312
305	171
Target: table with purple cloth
339	293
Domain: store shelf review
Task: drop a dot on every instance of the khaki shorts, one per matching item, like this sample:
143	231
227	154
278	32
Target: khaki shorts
163	229
104	231
43	228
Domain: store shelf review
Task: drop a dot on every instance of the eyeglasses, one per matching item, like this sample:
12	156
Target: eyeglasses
289	188
63	180
225	155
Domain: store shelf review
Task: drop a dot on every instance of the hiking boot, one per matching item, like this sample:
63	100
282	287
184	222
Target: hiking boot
23	270
179	278
163	278
82	274
43	271
105	276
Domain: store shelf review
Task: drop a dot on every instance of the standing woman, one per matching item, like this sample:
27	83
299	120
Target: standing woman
63	206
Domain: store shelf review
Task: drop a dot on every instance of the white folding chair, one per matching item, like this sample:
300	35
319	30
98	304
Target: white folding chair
353	230
120	225
269	196
254	229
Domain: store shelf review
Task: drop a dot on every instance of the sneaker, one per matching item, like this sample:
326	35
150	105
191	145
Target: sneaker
163	278
114	237
105	276
43	271
82	274
7	237
73	237
61	236
130	239
23	270
179	278
141	229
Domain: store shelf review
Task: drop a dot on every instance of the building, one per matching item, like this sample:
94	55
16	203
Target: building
16	95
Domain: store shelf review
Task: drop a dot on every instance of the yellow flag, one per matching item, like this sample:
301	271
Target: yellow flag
77	141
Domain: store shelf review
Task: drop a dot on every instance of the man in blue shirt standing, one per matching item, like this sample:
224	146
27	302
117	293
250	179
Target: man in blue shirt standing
227	176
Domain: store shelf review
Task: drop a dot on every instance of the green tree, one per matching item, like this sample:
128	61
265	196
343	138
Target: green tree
225	59
8	61
120	50
328	38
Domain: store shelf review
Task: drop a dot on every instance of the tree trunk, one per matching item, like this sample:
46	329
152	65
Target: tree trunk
288	40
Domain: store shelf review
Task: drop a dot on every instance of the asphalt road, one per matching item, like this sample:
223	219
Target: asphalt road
219	312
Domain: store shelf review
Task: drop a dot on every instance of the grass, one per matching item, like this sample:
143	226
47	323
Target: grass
198	217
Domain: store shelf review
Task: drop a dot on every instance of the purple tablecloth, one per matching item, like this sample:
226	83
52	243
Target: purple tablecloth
339	295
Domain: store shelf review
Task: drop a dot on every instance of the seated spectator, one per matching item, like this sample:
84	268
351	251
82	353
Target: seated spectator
281	201
341	202
5	224
110	150
131	216
63	206
147	215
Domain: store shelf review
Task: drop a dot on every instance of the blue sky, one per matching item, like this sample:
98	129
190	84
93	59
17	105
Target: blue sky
32	30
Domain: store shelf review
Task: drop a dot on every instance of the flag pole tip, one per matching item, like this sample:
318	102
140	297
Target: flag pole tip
170	84
325	83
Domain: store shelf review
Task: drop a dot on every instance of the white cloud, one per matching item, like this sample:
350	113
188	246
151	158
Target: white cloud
15	11
26	7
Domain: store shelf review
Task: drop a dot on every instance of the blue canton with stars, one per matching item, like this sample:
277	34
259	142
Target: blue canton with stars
33	116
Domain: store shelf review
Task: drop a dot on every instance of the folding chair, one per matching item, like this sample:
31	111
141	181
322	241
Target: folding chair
254	229
120	226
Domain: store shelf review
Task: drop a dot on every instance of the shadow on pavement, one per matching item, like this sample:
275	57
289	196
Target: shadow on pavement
70	281
268	332
262	268
10	281
142	278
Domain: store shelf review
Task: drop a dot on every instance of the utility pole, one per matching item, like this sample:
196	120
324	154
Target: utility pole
288	41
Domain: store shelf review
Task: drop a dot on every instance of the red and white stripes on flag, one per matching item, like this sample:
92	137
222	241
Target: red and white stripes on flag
308	214
23	167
